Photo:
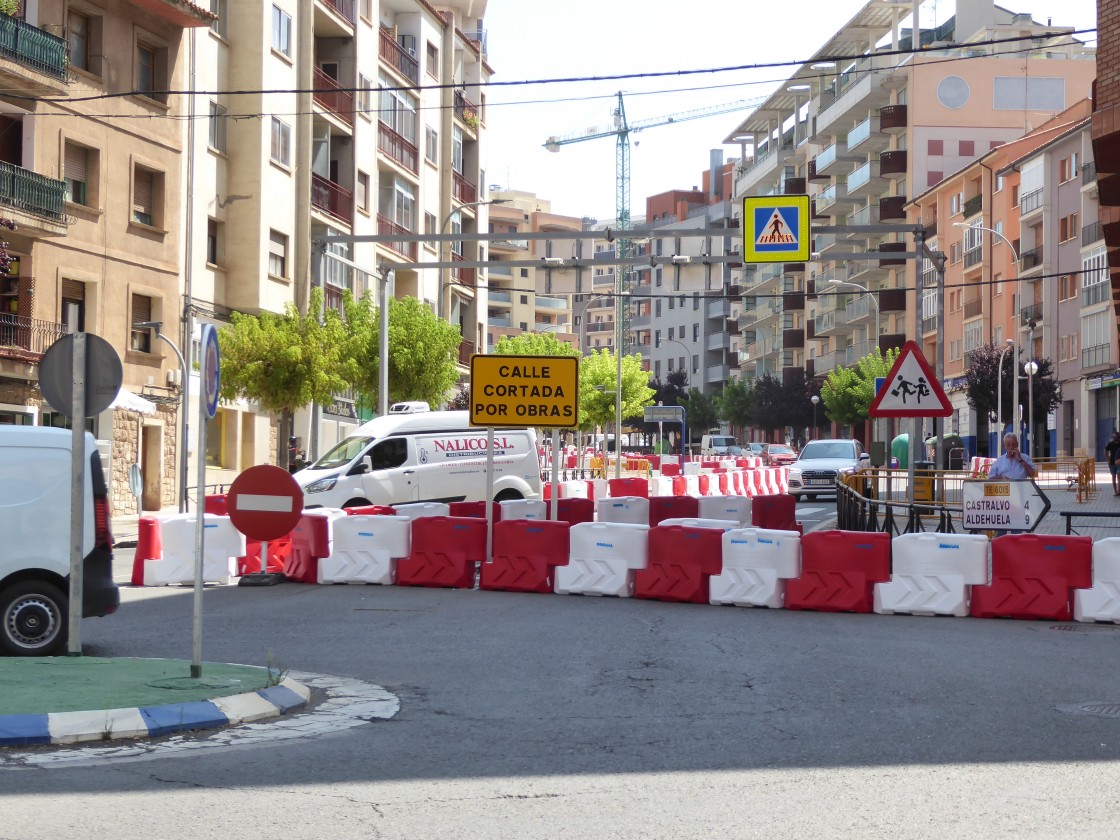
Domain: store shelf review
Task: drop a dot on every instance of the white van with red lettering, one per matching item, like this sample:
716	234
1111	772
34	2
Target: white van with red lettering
432	456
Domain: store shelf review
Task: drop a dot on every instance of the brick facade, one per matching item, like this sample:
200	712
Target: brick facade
1106	134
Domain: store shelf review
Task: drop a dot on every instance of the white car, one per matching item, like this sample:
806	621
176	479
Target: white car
815	470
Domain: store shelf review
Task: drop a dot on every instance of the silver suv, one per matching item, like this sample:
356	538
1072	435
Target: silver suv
819	463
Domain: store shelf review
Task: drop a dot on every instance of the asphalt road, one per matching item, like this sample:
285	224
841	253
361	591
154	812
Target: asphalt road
528	716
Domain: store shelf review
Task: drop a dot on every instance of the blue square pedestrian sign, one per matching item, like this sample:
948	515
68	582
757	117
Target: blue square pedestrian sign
776	229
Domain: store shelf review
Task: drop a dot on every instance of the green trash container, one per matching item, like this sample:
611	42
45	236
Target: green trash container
900	450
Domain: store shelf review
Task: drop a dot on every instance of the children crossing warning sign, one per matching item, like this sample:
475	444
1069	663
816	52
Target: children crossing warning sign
911	389
776	229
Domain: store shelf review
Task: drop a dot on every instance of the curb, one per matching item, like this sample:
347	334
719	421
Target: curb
152	721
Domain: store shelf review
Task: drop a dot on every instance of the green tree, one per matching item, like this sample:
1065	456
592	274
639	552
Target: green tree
423	350
982	380
735	404
848	392
284	361
700	412
769	404
533	344
597	404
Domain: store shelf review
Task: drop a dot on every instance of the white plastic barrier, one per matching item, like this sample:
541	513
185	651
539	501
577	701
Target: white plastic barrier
523	509
222	545
691	468
698	522
735	509
1102	602
633	510
417	510
366	549
575	489
602	559
756	564
713	486
598	488
661	486
692	485
932	574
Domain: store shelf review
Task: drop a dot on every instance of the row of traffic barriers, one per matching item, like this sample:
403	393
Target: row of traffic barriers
761	481
699	560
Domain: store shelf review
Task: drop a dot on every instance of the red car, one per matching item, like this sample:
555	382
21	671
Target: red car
778	455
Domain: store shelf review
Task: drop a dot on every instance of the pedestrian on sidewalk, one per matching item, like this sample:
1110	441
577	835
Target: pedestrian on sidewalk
1012	463
1112	449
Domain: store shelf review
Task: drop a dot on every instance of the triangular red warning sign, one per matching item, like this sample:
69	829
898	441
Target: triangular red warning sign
911	389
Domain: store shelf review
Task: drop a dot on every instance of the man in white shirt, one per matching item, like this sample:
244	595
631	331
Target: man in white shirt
1012	463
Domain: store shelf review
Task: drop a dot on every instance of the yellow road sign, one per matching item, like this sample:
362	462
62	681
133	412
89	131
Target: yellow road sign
776	229
539	391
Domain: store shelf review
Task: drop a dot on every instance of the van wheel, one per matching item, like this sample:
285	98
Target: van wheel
353	503
508	496
33	619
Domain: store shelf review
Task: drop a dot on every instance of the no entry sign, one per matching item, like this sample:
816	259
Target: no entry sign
265	502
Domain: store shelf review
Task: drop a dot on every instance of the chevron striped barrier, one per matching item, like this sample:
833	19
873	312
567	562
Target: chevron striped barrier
178	534
756	565
603	558
933	574
1101	602
366	549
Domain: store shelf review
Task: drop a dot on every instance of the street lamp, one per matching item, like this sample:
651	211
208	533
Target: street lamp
999	392
445	249
158	326
814	400
871	297
1018	312
1031	368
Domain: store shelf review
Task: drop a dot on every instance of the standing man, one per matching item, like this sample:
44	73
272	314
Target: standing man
1112	449
1012	463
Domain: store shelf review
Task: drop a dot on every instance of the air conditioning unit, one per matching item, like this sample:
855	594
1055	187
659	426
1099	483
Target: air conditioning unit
175	378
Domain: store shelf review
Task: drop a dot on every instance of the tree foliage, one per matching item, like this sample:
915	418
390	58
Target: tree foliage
701	413
848	392
983	381
735	404
769	408
597	405
533	344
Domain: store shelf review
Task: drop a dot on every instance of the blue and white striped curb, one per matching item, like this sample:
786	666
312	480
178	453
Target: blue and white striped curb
151	721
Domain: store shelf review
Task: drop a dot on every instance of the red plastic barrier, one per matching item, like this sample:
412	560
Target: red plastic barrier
310	540
839	570
680	486
574	511
216	505
777	513
278	551
149	546
476	510
724	484
705	484
525	553
681	560
618	487
1033	575
671	469
570	462
672	507
445	552
371	510
654	461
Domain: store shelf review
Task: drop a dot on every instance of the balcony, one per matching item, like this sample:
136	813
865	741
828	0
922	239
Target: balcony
498	322
332	198
893	162
929	325
466	350
973	257
860	133
826	198
1089	173
465	278
885	262
793	338
27	339
793	301
892	207
861	89
854	352
503	245
541	302
331	96
716	341
732	326
719	309
1031	259
27	47
640	322
1029	202
718	373
828	157
387	227
499	296
1095	356
893	119
812	174
766	160
973	308
1092	234
466	111
1094	294
865	179
395	146
35	195
463	190
973	206
397	57
868	215
1031	313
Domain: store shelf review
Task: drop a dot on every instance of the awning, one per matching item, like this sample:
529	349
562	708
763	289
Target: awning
128	401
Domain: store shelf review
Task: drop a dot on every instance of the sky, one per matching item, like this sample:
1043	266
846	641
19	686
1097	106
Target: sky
538	40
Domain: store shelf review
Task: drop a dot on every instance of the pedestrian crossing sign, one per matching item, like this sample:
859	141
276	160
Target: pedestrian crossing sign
911	389
776	229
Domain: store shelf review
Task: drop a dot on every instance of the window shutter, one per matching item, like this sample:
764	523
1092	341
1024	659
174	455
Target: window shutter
142	196
73	290
141	308
76	157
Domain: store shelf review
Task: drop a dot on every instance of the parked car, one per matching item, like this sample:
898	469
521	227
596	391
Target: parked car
755	449
778	455
815	470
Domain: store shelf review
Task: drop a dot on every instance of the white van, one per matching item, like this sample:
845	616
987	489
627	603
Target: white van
716	445
35	476
434	456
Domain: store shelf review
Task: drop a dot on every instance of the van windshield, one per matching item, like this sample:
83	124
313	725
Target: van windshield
342	453
718	440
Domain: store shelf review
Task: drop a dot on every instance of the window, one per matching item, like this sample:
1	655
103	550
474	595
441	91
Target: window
695	332
997	287
431	145
214	244
695	301
999	183
365	95
1067	227
281	31
1067	286
967	148
397	202
657	337
1094	278
277	254
77	173
217	126
935	147
361	192
145	70
397	109
432	60
1067	168
973	336
457	149
367	9
146	189
73	305
281	142
671	331
141	337
77	30
956	202
672	304
389	454
220	26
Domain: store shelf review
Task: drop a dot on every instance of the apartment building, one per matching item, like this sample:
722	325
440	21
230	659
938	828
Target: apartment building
1026	263
524	299
351	118
1106	134
94	188
861	135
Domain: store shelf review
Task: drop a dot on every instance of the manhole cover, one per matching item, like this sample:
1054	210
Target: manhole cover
1100	709
1084	628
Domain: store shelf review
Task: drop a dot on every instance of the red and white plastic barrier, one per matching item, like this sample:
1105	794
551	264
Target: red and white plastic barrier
1101	602
366	549
178	536
756	565
602	559
735	509
633	510
933	574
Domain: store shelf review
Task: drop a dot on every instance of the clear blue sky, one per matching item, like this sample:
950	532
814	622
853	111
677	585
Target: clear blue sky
533	39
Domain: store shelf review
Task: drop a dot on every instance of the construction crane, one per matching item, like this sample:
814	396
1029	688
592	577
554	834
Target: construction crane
621	131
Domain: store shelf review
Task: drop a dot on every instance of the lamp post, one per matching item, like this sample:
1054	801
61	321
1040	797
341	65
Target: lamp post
999	392
445	249
1031	368
1017	315
183	460
814	400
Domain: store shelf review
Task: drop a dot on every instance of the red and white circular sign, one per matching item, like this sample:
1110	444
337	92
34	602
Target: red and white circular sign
265	502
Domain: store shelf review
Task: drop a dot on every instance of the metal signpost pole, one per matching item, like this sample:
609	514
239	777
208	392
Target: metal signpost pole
555	494
77	490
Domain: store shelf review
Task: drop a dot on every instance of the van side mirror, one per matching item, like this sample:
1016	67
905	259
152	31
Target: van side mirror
363	466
